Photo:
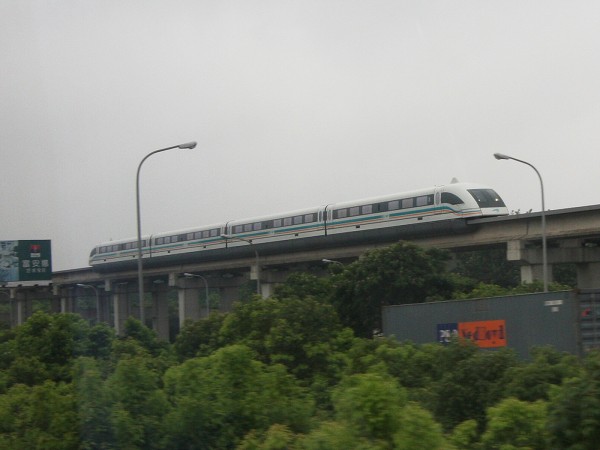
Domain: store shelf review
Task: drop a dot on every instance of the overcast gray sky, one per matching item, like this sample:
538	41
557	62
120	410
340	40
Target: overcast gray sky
293	103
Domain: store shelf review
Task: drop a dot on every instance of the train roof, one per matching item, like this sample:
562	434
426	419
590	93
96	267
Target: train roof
452	187
297	212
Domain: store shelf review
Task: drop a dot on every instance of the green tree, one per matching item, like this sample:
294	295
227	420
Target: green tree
302	285
514	424
471	382
93	406
465	436
277	437
199	338
336	435
40	417
488	266
219	399
414	366
418	430
574	408
53	340
146	337
371	404
532	381
399	274
138	404
290	331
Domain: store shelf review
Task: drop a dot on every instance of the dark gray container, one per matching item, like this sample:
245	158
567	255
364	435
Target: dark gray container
567	320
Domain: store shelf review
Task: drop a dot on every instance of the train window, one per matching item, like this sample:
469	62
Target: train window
287	221
308	218
238	229
189	236
408	203
422	200
451	199
214	232
367	209
486	198
340	213
248	227
297	220
354	211
394	204
197	234
276	223
257	226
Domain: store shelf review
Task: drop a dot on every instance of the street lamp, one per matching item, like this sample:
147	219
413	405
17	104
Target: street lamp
189	145
89	286
544	246
193	275
228	236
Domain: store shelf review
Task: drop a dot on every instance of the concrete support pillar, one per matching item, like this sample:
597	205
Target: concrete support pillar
588	275
121	308
104	307
189	300
267	289
66	302
10	317
24	308
160	314
535	272
228	295
13	309
270	280
55	302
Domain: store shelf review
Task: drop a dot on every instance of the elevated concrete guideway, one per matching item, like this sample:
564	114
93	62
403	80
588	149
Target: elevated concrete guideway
573	236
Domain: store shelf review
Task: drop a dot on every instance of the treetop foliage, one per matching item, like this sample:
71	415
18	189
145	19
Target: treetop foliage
302	370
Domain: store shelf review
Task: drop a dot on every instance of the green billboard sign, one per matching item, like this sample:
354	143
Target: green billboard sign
28	261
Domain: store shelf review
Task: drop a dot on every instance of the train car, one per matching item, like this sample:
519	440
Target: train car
117	252
396	216
299	224
454	201
187	241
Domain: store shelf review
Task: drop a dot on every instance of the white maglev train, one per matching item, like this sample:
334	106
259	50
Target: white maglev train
332	222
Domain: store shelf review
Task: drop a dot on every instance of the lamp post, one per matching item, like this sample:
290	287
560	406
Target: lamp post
193	275
189	145
544	245
89	286
228	236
